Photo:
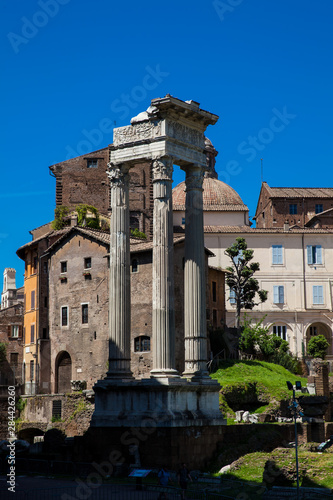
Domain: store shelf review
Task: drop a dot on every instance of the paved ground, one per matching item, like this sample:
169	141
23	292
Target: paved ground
41	488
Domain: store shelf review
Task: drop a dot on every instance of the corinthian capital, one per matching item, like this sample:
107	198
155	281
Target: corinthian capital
162	169
118	175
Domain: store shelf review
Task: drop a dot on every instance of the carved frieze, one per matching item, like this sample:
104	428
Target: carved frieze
185	134
136	132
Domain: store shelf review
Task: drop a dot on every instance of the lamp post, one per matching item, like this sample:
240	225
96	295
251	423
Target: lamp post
294	407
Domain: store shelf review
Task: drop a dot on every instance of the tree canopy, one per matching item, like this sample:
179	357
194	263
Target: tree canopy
244	287
317	346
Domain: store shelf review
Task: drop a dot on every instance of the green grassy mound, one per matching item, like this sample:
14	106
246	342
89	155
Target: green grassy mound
256	386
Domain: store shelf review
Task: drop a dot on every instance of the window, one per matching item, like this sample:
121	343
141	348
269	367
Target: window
64	316
32	334
15	331
45	269
142	343
277	254
293	209
134	266
232	296
14	358
92	163
35	265
314	254
32	369
313	331
63	267
318	294
280	331
87	263
214	290
278	294
183	221
32	299
319	208
45	301
84	313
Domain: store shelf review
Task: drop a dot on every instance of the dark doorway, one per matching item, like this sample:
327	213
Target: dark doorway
63	373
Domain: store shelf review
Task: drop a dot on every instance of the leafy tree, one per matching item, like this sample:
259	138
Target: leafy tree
256	339
82	216
59	214
240	278
317	346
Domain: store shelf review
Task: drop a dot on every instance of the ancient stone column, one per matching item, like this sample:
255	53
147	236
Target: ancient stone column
119	288
163	272
195	280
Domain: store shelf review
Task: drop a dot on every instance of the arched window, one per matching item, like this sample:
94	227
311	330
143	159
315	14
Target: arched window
142	343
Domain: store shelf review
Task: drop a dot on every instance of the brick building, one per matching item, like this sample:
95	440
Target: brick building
35	323
84	180
11	334
78	306
302	207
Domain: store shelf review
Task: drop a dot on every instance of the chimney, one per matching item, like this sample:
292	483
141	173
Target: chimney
286	226
73	220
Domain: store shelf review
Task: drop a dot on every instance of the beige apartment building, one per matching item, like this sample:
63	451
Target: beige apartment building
296	262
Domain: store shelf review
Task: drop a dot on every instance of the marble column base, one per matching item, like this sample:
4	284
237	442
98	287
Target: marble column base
168	402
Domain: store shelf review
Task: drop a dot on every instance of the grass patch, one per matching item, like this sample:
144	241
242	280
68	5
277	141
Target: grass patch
253	385
315	469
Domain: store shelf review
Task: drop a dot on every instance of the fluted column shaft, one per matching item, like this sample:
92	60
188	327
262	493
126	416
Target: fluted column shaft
163	272
119	289
195	280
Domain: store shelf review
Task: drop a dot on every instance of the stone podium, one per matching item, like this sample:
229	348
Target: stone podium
170	132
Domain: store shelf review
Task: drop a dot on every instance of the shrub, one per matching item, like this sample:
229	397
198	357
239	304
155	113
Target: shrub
138	234
317	347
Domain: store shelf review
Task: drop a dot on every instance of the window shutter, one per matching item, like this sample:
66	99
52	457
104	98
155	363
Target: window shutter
315	295
281	294
9	330
277	254
309	250
276	294
320	295
318	254
20	331
280	255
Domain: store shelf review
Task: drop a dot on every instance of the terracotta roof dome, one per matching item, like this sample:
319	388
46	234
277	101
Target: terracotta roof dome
217	196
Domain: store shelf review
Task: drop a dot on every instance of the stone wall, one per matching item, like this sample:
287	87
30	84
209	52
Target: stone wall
76	413
11	369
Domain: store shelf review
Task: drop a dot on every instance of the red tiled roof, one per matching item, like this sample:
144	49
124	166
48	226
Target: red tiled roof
295	192
254	230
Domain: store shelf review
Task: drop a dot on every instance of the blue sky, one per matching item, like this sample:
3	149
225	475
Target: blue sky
74	69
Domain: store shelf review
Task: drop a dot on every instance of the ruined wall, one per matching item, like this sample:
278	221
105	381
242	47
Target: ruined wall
76	413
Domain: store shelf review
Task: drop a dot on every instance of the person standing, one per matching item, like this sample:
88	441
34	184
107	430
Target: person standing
163	479
183	478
